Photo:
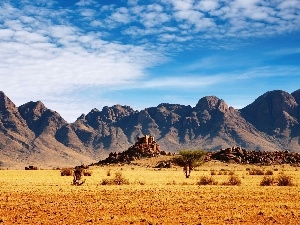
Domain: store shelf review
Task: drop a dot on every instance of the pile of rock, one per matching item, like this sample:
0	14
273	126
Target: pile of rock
31	168
145	147
163	164
240	155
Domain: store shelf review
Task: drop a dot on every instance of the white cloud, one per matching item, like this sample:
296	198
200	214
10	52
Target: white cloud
207	5
182	5
45	54
86	2
61	60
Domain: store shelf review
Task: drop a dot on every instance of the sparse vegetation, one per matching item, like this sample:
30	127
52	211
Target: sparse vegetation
152	197
171	183
269	172
67	172
231	173
267	181
117	180
233	180
206	180
255	171
87	173
285	180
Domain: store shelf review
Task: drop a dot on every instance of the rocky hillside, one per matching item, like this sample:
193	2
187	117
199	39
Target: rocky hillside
34	134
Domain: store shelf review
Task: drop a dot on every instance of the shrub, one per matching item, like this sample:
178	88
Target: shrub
213	173
141	182
231	173
172	183
269	172
267	181
87	173
222	173
206	180
256	172
106	182
285	180
233	180
108	173
67	172
117	180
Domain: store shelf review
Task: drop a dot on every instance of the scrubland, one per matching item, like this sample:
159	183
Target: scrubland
153	196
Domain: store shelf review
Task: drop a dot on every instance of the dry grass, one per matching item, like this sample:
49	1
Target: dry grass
152	197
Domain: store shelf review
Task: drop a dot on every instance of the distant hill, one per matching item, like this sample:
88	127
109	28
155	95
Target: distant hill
34	134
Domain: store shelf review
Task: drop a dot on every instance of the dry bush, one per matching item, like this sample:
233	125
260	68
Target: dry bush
107	182
256	172
233	180
285	180
267	181
67	172
140	182
206	180
171	183
87	173
269	172
117	180
231	173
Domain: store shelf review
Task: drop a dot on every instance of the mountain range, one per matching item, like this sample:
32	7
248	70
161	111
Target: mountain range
33	134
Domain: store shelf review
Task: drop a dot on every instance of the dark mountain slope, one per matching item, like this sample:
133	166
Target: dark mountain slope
276	113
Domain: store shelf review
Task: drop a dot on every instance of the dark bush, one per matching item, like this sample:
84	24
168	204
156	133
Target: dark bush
108	173
233	180
67	172
117	180
213	173
256	172
267	181
206	180
87	173
285	180
269	172
231	173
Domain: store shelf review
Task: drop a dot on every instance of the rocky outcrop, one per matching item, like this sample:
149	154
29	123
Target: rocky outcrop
145	147
240	155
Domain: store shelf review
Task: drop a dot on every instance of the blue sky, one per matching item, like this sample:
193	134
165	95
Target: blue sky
78	55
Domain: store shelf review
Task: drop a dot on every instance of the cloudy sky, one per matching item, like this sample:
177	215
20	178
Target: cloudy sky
76	55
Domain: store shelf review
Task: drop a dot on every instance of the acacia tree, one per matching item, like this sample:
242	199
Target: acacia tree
189	159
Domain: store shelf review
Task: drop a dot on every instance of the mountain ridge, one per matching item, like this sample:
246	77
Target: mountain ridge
34	134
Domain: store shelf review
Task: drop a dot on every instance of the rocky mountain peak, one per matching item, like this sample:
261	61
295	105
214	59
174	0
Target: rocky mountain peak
5	102
81	117
33	110
210	103
296	95
10	118
116	112
272	112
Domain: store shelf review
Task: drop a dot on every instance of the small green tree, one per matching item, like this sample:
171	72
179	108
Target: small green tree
189	159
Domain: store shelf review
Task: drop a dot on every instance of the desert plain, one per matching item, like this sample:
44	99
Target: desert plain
153	196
